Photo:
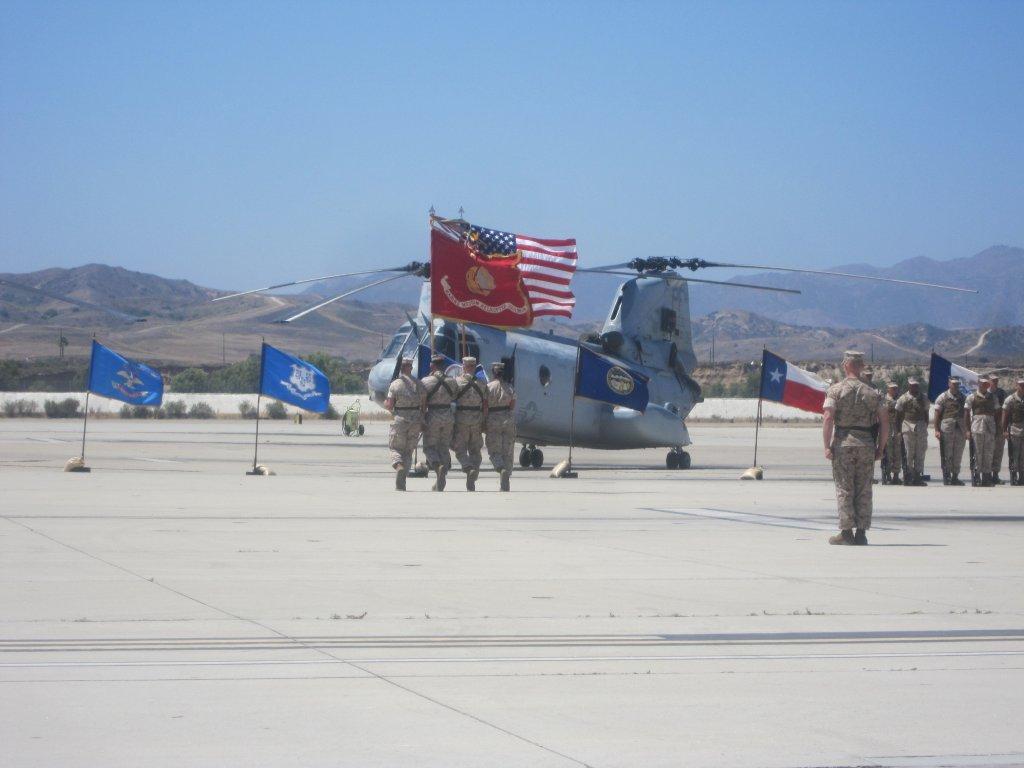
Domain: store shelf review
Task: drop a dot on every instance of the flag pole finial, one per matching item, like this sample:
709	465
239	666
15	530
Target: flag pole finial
462	212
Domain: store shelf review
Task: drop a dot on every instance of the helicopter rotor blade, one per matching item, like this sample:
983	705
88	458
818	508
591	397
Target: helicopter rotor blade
677	276
323	304
701	263
75	302
412	268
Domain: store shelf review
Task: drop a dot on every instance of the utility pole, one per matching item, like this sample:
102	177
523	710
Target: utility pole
224	348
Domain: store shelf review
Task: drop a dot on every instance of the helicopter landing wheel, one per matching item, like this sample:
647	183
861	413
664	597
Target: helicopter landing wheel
677	459
524	457
537	458
531	456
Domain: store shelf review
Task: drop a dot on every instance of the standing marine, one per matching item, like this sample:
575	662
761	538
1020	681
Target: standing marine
949	431
501	424
470	412
851	409
438	393
405	402
1013	431
892	450
912	423
980	419
997	450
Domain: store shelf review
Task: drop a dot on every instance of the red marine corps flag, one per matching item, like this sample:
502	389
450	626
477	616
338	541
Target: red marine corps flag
489	277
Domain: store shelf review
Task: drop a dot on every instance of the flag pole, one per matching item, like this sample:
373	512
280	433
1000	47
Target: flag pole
259	395
569	471
79	466
755	472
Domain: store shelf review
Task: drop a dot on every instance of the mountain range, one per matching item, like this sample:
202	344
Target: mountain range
832	314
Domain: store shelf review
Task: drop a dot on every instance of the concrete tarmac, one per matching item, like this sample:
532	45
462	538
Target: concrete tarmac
167	610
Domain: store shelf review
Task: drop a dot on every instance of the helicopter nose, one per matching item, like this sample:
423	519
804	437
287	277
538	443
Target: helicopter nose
380	379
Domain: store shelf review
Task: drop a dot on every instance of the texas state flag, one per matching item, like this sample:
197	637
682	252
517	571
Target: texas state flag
785	383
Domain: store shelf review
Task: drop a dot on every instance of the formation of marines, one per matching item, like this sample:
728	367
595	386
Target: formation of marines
862	426
452	414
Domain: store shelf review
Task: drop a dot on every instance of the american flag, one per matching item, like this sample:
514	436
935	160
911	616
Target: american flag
547	266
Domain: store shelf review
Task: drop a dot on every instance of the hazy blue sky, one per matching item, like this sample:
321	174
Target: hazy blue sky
232	143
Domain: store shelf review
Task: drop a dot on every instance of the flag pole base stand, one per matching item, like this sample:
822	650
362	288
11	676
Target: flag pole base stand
419	470
563	469
76	465
754	473
262	469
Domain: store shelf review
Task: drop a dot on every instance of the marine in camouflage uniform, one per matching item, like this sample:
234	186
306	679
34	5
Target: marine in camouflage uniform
405	401
997	450
851	409
1013	431
470	411
949	431
912	418
439	389
501	424
893	453
979	417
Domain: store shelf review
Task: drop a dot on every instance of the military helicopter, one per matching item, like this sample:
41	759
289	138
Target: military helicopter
647	328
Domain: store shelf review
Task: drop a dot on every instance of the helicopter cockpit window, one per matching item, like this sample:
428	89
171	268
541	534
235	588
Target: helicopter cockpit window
545	375
395	345
617	307
449	343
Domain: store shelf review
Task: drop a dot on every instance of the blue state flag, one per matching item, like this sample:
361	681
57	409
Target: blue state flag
600	378
119	378
941	370
293	380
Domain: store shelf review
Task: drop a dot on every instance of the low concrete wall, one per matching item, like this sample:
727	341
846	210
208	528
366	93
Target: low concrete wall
222	404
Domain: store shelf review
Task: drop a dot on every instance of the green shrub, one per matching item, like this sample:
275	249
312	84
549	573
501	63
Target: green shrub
275	410
136	412
201	411
62	409
246	410
191	380
175	409
331	414
14	409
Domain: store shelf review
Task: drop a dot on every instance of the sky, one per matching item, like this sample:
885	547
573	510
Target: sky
239	144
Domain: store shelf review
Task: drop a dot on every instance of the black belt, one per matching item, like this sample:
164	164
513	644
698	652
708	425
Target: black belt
497	408
467	408
855	429
408	409
447	407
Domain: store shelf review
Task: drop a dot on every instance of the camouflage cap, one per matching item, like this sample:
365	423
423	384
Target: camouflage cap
437	359
983	380
469	361
954	380
498	366
891	385
1019	382
850	356
406	361
912	381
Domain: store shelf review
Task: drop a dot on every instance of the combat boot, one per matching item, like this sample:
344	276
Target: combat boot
919	479
845	536
505	480
860	537
986	480
996	480
955	480
400	475
471	476
442	474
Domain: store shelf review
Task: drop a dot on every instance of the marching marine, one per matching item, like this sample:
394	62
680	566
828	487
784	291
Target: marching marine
997	450
501	425
912	423
438	392
405	402
980	419
892	458
949	431
1013	431
470	412
852	408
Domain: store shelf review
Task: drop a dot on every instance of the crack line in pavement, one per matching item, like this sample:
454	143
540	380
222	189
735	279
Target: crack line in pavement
300	644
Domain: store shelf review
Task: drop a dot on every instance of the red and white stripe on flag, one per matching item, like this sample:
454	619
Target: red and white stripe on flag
804	390
547	267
